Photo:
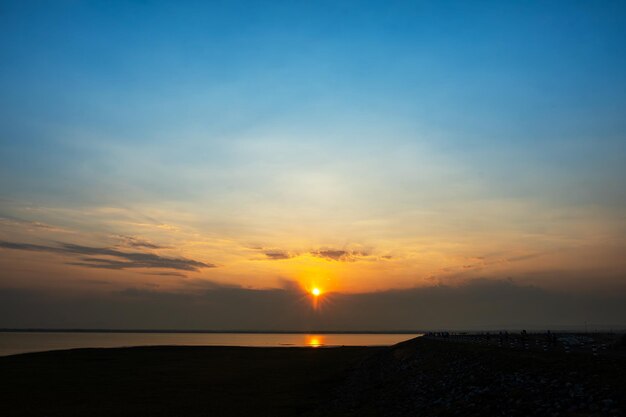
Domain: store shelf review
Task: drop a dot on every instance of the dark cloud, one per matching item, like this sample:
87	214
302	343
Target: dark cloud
338	255
167	274
135	242
480	304
278	255
29	247
99	263
125	260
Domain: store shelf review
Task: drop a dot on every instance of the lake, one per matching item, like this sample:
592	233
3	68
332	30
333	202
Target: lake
22	342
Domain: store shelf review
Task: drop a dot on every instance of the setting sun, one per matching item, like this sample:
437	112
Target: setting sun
316	292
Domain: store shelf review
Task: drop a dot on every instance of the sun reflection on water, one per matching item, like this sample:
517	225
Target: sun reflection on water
315	341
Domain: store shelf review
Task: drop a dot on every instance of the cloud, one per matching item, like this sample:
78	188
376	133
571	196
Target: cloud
479	304
135	242
125	260
338	255
524	257
481	263
278	255
167	274
28	246
31	225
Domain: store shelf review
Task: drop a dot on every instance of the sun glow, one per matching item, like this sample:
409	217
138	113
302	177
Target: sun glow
316	298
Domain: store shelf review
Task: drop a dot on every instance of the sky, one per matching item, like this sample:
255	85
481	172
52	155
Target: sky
206	164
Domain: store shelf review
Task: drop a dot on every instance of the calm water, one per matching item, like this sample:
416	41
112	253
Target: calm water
12	343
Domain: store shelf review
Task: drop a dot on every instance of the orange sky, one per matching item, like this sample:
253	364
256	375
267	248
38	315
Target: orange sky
385	253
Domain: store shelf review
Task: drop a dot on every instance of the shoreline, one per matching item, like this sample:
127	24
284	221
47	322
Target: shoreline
13	343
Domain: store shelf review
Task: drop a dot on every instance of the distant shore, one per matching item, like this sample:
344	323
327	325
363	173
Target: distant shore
24	342
428	376
71	330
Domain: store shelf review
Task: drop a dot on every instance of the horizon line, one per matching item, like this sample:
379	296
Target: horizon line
598	328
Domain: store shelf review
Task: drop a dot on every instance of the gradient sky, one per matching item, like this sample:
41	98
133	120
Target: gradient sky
383	151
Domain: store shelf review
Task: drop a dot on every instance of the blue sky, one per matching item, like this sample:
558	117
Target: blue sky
503	86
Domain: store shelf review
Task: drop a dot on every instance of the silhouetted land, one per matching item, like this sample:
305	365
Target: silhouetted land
423	377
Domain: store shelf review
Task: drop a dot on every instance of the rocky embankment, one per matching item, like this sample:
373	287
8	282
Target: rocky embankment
435	377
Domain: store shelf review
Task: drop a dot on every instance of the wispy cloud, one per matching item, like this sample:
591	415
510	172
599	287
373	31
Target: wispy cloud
278	255
339	255
523	257
125	260
484	262
167	274
135	242
31	225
